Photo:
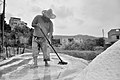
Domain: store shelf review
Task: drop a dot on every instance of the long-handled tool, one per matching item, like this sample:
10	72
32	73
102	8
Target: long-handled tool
61	61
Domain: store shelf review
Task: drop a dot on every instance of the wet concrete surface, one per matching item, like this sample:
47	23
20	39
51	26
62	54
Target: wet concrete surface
23	70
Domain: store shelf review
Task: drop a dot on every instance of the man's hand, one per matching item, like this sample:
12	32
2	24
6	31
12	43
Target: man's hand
50	41
39	25
50	36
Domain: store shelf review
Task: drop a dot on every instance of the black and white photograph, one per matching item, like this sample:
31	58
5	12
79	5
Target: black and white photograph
59	39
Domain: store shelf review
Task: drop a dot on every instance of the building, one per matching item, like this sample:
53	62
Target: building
13	22
16	22
113	35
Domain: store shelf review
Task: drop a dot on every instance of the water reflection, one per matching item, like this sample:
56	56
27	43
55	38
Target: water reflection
47	74
36	74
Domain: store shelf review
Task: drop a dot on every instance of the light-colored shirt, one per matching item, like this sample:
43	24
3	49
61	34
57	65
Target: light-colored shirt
47	27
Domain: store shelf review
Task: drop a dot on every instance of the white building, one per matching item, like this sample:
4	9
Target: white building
16	22
114	35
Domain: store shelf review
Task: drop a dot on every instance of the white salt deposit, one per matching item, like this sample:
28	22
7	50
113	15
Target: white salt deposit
105	66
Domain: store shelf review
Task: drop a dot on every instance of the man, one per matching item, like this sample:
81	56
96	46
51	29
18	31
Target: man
39	42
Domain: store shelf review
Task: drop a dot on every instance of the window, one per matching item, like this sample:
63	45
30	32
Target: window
117	37
70	39
117	30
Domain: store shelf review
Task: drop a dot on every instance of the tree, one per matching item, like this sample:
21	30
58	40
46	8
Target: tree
89	44
100	42
1	18
30	38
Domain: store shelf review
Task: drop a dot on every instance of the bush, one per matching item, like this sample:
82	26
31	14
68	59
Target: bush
73	46
88	45
87	55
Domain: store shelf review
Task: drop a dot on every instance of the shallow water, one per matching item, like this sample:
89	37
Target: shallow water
53	72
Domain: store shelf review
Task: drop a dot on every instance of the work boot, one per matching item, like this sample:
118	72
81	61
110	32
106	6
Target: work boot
34	63
46	64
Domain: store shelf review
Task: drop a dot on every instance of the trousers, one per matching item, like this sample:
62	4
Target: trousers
39	43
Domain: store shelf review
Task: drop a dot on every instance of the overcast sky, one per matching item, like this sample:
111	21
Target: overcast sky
87	17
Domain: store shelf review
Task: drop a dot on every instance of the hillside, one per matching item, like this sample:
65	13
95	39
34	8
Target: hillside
84	37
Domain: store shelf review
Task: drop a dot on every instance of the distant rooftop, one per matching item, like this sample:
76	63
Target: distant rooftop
15	18
118	29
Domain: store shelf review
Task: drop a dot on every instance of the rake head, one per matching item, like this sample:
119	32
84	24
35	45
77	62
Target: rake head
62	63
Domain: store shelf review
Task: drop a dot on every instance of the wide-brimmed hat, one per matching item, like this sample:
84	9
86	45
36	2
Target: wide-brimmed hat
49	14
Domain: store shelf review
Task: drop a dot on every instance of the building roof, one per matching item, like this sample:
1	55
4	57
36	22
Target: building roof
15	18
118	29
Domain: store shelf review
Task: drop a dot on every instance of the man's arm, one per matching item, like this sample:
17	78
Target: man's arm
50	35
50	31
35	22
